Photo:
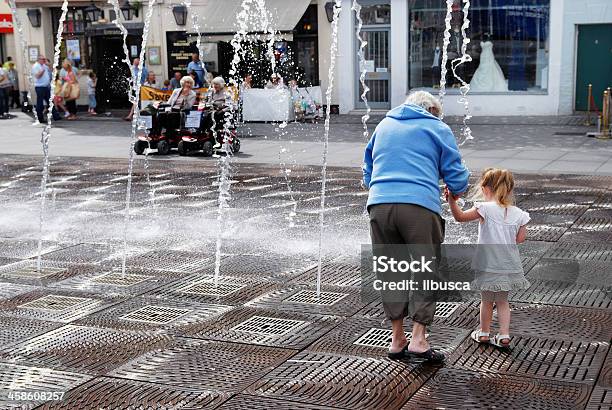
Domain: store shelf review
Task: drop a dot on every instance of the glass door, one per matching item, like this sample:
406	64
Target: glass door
376	32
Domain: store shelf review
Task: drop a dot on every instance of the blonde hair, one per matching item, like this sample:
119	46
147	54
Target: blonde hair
501	184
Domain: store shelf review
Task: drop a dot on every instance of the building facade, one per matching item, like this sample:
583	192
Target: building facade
93	42
528	57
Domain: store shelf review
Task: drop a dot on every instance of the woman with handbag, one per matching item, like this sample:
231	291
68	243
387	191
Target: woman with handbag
71	89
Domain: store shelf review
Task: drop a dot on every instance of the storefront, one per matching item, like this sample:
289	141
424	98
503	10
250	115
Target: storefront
7	44
516	48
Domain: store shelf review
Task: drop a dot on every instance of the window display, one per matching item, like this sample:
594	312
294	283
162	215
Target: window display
509	46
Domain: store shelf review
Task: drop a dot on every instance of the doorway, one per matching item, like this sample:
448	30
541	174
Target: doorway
376	32
593	63
112	72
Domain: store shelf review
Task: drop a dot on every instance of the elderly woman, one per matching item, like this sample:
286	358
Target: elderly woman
220	100
181	99
409	152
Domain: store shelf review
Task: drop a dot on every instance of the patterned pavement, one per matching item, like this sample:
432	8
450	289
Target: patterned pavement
164	335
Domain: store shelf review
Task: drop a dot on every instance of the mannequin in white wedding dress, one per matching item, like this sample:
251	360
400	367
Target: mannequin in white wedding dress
489	76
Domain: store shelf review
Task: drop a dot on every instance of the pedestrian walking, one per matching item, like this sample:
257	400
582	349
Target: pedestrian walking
14	78
71	89
497	262
41	73
5	90
408	153
92	82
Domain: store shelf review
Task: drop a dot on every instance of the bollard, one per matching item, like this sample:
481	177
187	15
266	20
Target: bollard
590	96
605	116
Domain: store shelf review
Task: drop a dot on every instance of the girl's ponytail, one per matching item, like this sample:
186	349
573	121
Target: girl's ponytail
501	184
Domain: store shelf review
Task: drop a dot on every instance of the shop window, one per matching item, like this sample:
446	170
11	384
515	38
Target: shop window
376	14
509	45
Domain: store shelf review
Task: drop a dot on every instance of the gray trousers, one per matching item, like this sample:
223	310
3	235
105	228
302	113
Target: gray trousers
395	224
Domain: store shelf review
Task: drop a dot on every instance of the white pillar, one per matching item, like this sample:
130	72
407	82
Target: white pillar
399	51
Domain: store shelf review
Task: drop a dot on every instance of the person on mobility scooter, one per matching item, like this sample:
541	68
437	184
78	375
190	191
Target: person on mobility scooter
216	121
169	117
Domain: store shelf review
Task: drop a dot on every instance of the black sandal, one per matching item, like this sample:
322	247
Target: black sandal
429	355
398	355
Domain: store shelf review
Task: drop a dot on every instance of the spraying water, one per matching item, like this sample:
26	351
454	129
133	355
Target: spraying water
134	94
240	37
46	134
466	132
24	46
328	94
362	69
443	70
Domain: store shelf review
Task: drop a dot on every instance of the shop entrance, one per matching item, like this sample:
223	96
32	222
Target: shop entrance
377	32
593	63
112	72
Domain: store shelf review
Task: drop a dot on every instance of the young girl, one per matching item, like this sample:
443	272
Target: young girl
92	81
497	262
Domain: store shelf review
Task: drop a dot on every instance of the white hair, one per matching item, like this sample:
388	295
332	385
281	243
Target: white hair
218	80
187	79
425	100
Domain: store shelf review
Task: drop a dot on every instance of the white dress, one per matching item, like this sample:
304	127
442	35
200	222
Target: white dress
497	261
489	76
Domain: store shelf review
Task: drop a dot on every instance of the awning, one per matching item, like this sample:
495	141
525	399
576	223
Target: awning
110	29
219	17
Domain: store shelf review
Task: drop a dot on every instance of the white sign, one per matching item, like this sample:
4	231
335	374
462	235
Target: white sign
369	65
381	69
193	119
146	121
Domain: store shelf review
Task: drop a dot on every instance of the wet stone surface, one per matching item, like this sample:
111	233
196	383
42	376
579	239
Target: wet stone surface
167	333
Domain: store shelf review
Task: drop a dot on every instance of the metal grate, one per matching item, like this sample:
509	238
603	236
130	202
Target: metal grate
57	302
445	309
377	338
601	399
547	358
30	272
155	314
269	326
83	349
112	393
14	330
120	279
211	289
204	365
336	381
601	252
248	402
310	297
454	389
20	378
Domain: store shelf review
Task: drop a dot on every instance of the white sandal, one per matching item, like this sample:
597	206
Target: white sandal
498	340
477	335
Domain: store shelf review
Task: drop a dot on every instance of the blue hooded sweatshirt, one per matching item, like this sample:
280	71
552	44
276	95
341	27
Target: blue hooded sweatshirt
409	152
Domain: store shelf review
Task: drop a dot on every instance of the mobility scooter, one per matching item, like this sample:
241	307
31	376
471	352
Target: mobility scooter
207	141
163	140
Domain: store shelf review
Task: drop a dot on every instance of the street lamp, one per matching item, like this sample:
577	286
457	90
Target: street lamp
180	15
34	17
329	10
93	13
128	11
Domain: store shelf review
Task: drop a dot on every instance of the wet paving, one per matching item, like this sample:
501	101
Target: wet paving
164	335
